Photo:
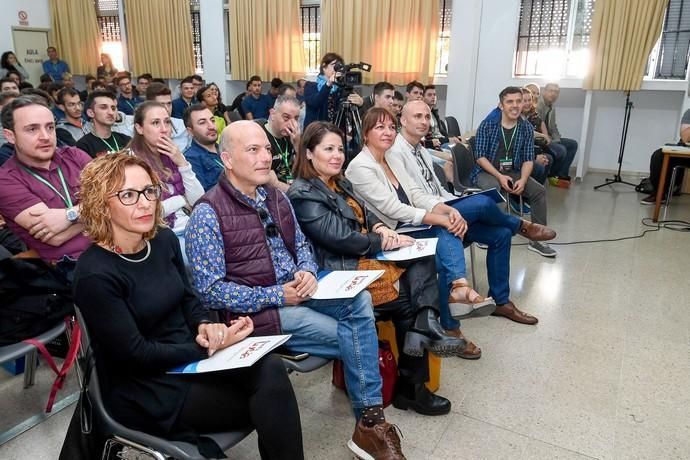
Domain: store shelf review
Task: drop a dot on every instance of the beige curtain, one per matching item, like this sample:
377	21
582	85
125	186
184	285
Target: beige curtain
74	32
159	37
397	37
623	34
266	39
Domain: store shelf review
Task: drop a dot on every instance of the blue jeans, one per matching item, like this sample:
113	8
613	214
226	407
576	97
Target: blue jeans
487	224
340	329
541	172
563	155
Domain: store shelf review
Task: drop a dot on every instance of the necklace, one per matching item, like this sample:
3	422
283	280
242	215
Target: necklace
118	251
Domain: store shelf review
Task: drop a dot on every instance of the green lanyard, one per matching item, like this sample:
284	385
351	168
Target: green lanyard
66	198
219	163
509	144
117	146
283	154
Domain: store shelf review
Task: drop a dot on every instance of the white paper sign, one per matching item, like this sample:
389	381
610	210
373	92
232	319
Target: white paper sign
423	247
344	284
241	354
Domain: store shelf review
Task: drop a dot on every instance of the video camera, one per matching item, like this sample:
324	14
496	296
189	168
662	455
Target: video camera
346	78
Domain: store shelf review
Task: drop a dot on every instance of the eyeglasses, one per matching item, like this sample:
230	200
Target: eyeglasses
130	197
270	228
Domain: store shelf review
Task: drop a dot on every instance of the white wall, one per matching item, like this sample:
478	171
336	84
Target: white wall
481	64
39	18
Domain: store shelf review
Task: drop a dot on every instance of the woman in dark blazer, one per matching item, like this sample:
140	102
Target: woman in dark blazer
343	231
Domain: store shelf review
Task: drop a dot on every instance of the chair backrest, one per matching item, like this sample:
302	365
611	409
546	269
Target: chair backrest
441	174
464	163
453	126
234	116
142	441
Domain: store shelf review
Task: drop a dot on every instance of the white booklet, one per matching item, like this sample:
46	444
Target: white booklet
423	247
344	284
242	354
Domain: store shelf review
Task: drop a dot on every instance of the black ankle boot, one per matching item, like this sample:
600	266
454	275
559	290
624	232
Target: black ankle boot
427	333
418	398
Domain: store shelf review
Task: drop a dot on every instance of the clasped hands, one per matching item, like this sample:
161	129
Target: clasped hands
300	289
390	239
216	336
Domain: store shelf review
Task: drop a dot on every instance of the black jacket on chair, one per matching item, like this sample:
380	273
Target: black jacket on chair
330	223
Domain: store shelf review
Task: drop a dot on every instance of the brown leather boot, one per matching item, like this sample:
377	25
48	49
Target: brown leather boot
380	442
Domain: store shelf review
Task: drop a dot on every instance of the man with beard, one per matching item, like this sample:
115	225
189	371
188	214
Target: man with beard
203	153
69	102
504	152
40	184
102	109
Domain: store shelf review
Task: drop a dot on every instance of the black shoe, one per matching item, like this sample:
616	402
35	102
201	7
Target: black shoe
428	334
422	401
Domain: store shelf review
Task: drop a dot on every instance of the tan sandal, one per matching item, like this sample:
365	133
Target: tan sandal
467	308
471	351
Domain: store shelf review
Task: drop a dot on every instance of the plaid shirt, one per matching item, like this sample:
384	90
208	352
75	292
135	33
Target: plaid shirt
488	137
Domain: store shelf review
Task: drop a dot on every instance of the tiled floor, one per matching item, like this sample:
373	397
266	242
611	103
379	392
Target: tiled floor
605	374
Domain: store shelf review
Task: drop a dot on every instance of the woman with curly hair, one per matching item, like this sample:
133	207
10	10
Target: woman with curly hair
139	332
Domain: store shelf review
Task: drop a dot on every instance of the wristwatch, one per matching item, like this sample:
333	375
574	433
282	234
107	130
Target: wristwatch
72	214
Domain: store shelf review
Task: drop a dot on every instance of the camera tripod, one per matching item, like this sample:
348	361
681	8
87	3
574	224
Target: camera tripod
348	120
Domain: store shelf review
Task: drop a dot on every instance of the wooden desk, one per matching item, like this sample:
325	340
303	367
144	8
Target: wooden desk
669	151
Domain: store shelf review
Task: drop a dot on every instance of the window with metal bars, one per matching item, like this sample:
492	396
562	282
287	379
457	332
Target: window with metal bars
553	37
108	20
443	40
669	58
310	19
196	36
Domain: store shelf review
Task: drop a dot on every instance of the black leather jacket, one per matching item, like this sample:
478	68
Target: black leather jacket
330	223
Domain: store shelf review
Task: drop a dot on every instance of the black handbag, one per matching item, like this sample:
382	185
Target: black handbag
35	297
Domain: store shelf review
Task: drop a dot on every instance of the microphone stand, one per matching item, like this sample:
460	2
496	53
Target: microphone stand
624	136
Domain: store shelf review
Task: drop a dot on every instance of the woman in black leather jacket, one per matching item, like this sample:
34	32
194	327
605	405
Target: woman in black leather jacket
342	231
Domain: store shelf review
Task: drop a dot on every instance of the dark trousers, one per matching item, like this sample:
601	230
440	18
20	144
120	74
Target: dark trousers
260	396
655	170
418	290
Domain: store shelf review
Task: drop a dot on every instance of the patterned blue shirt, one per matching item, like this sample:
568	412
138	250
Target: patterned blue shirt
206	253
488	137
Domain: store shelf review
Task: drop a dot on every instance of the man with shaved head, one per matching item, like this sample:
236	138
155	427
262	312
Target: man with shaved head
268	272
485	222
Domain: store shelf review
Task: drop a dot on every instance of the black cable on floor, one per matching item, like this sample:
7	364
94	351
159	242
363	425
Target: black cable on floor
673	225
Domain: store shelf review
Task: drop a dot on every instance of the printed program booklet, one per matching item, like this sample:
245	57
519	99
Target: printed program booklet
344	284
423	247
242	354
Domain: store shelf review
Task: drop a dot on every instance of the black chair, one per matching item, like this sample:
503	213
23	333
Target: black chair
309	364
464	163
120	436
463	159
453	127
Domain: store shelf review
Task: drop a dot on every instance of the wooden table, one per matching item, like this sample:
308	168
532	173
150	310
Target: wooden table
669	151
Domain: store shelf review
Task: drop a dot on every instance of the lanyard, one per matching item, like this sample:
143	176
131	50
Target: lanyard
117	146
509	144
283	153
219	163
66	198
